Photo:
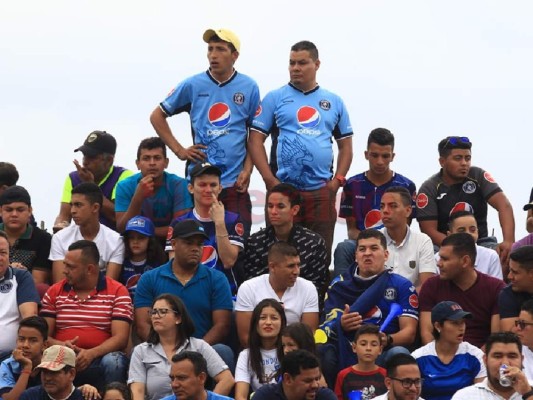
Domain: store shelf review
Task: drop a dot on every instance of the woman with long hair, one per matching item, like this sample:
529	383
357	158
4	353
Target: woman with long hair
259	363
171	333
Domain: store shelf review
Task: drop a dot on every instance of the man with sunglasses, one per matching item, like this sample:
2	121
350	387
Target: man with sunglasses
403	379
460	186
523	327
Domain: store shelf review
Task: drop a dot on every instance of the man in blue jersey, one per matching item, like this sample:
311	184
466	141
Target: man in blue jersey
221	104
303	119
361	197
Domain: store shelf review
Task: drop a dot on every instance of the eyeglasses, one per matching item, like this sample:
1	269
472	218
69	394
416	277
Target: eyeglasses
455	140
520	323
407	382
161	312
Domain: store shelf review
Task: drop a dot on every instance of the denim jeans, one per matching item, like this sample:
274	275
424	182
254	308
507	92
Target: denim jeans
103	370
343	257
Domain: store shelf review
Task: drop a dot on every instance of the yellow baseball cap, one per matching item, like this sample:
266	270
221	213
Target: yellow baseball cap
224	34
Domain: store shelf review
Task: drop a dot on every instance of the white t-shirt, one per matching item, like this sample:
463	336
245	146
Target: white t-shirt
487	262
528	362
109	243
244	373
299	299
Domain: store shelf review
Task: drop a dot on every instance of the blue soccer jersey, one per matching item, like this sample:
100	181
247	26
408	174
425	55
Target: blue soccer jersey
361	199
303	126
220	116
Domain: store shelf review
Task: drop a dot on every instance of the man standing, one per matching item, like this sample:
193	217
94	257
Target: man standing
188	374
403	379
283	204
29	246
300	372
90	313
221	103
153	192
18	299
97	167
298	296
303	119
501	348
459	281
460	186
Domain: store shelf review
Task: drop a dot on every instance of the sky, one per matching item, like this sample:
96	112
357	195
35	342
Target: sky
424	69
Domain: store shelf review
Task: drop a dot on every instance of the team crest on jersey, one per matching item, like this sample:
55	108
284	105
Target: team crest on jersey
239	228
489	177
5	287
238	98
390	294
324	105
219	115
469	187
412	264
422	200
308	117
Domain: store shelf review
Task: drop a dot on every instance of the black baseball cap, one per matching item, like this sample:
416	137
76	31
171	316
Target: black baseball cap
528	206
187	228
98	142
448	310
15	194
205	168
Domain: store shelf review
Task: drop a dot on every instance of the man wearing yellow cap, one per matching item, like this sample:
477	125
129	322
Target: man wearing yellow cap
221	103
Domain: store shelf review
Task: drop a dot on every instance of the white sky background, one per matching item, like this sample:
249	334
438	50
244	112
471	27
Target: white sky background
423	69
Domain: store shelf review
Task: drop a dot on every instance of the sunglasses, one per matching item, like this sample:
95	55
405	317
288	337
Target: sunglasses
407	382
161	312
520	323
455	140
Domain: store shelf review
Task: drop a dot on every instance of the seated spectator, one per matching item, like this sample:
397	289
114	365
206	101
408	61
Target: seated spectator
97	167
487	260
403	379
116	391
365	294
258	364
448	363
86	207
203	290
224	229
520	286
58	370
501	348
524	330
300	372
142	252
283	204
153	192
459	281
170	334
188	375
29	246
92	313
9	175
18	299
529	208
298	296
525	241
365	376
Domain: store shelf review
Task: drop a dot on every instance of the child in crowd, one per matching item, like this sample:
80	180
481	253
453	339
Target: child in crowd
116	391
142	251
365	376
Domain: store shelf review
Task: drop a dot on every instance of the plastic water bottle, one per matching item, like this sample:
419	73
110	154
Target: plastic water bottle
505	381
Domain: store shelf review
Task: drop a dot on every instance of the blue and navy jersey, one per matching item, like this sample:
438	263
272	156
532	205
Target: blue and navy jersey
361	199
441	381
303	126
131	273
220	116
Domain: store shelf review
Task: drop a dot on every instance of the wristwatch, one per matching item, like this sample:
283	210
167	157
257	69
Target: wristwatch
341	179
527	395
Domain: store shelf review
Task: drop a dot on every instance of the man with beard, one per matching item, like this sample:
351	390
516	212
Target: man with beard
403	379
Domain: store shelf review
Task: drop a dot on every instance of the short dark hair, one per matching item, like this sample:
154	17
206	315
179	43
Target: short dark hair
459	214
527	306
450	143
301	333
306	45
91	191
35	322
281	249
198	361
380	136
4	235
120	387
287	190
294	361
523	256
9	175
366	329
463	244
89	251
502	337
184	330
405	195
372	233
397	360
151	143
215	38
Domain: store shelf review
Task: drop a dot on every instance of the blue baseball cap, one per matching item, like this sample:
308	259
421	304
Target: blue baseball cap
448	310
141	225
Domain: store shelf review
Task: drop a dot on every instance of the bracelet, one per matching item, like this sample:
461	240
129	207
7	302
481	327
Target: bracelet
25	372
223	236
527	395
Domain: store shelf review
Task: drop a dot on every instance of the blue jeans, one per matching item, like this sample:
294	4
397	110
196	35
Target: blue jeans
112	367
225	352
343	257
